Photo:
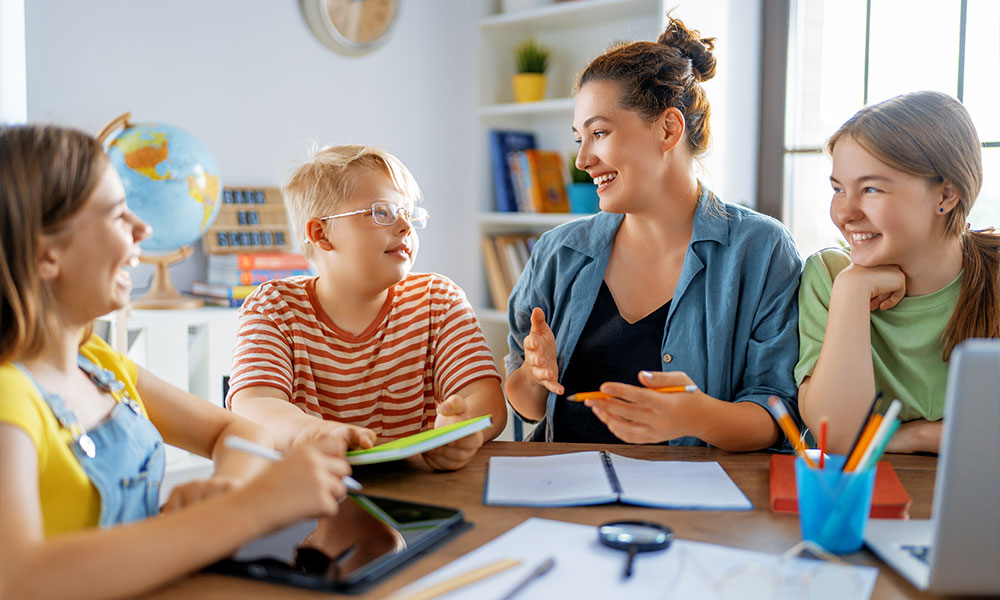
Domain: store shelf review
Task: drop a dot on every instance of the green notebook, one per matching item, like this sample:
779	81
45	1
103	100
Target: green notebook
418	442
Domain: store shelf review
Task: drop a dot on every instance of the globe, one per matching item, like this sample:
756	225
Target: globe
171	182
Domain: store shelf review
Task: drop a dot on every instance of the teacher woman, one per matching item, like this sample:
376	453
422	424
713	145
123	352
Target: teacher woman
667	286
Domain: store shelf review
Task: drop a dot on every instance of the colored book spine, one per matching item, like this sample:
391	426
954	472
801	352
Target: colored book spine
502	143
251	276
257	261
221	290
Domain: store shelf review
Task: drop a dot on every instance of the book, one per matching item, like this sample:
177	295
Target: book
418	443
889	499
543	180
226	302
502	143
600	477
257	260
495	278
221	290
251	276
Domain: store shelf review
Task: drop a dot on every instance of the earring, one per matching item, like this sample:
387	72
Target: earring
941	210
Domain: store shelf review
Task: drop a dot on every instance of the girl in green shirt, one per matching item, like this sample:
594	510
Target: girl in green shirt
915	282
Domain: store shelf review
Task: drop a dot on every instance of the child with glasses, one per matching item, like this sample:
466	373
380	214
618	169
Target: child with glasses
367	349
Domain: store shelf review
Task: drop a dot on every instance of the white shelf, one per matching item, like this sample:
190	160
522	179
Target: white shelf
567	14
555	105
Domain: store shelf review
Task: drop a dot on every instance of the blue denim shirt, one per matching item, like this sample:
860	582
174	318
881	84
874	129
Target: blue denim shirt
732	323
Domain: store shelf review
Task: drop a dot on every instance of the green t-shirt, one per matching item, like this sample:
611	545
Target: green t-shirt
906	339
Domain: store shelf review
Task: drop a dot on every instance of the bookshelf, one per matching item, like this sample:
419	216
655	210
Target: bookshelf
576	32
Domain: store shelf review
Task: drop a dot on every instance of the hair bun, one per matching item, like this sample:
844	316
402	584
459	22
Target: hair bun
689	42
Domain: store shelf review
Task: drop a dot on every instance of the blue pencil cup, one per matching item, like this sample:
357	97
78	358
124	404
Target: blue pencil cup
583	198
834	506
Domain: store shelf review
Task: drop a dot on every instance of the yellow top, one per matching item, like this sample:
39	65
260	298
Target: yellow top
69	501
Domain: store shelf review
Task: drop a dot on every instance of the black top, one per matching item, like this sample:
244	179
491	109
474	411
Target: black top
609	349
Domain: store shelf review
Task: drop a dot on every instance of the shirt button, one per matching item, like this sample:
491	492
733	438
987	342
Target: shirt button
667	358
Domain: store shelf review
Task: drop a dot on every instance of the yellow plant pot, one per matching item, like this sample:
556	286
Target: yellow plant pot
529	87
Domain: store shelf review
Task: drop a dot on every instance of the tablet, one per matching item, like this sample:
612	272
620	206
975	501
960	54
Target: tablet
368	538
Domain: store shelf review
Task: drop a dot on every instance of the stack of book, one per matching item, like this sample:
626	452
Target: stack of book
505	257
526	179
231	277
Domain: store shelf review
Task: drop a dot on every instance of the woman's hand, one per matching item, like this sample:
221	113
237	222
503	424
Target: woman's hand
885	285
639	415
540	354
458	453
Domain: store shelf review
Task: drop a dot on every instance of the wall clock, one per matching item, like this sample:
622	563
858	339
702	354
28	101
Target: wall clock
351	27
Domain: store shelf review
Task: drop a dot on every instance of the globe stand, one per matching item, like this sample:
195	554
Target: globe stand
162	294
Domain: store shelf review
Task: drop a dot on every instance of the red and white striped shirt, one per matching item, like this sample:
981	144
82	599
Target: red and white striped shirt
424	345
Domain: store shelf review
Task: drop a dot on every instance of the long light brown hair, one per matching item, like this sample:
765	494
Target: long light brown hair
47	174
931	135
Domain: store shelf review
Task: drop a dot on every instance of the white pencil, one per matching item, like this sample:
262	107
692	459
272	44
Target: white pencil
244	445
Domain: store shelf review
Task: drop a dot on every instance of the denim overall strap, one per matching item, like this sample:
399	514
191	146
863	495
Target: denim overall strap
126	461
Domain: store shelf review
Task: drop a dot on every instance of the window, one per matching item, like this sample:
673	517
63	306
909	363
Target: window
844	54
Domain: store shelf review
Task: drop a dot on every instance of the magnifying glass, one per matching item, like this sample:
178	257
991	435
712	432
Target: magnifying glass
634	537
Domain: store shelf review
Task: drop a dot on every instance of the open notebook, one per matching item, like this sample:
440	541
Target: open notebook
581	478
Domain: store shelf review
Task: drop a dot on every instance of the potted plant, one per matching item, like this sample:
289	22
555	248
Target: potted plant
532	60
581	190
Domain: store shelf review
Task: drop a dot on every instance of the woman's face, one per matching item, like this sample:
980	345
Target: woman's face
94	249
887	216
618	148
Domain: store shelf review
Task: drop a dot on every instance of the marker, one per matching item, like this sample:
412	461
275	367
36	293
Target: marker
243	445
670	389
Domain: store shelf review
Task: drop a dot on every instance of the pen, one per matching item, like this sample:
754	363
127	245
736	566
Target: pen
864	423
462	579
541	569
791	431
670	389
243	445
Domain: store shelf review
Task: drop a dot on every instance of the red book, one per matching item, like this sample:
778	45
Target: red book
246	261
889	500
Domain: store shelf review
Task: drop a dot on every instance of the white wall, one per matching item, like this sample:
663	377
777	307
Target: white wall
734	92
248	79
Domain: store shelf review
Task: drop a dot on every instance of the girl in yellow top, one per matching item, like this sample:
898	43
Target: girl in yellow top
80	424
916	281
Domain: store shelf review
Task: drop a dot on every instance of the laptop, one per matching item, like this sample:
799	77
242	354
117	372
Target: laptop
957	551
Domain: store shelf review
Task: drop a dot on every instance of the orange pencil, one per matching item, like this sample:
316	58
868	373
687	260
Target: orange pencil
670	389
866	438
824	423
788	426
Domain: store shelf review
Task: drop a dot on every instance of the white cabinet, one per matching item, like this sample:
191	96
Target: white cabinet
190	349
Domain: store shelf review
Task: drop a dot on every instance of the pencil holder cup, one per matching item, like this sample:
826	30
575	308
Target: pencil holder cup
834	505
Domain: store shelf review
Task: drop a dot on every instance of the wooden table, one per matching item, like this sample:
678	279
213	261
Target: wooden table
758	529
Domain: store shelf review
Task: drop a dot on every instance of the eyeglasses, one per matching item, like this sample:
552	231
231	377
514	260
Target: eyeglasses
387	213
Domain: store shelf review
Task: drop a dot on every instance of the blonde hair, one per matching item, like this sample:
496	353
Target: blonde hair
322	184
931	135
47	174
